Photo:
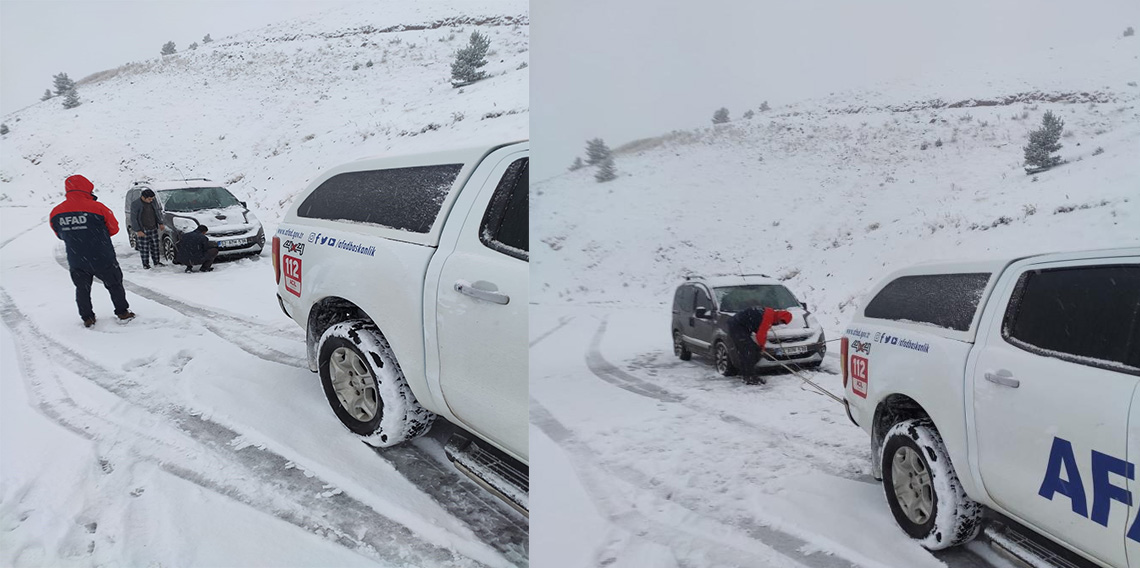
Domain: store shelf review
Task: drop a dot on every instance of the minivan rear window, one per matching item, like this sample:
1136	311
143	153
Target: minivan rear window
406	199
944	300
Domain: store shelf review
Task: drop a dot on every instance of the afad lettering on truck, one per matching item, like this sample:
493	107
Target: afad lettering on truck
1061	457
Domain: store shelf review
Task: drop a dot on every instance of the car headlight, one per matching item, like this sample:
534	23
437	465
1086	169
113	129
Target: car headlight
185	225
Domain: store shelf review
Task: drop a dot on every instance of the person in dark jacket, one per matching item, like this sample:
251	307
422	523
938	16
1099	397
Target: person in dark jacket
86	226
195	248
146	220
748	333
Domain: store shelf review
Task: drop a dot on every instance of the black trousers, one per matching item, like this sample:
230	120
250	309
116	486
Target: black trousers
112	278
747	351
211	254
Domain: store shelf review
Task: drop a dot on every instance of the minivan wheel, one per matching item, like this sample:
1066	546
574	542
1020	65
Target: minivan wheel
724	364
366	388
168	248
679	348
922	489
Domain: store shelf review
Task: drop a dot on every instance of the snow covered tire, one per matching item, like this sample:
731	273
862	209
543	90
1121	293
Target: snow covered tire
723	360
366	388
922	489
679	348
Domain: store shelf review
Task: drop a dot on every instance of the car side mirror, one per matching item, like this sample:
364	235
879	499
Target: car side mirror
701	312
243	204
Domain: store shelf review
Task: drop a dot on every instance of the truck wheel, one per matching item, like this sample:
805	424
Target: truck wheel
679	348
923	491
365	386
723	360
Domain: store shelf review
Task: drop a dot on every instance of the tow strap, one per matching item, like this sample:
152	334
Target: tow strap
782	317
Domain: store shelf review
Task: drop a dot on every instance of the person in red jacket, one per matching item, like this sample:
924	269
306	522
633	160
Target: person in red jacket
85	226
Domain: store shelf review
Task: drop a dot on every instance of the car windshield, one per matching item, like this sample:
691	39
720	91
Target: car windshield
196	198
737	298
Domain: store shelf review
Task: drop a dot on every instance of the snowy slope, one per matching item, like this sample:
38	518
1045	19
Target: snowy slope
831	194
268	110
195	435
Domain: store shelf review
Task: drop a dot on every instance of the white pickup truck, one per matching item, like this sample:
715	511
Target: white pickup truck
1006	391
411	277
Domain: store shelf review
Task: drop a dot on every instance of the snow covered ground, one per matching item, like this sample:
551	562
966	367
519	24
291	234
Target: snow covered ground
649	460
195	435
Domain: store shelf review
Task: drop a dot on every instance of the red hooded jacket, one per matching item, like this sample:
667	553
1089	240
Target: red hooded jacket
85	226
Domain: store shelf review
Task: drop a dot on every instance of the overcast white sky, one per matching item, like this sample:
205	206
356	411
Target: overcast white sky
41	38
628	69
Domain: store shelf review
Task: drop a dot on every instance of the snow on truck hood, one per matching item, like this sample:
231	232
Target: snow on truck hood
228	217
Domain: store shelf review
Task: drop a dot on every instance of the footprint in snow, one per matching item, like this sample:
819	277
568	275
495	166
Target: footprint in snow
137	363
106	466
181	360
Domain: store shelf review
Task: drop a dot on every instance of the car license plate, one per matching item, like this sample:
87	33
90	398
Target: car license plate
790	351
230	243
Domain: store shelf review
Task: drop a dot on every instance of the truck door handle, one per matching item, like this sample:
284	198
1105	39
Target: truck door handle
468	289
1003	378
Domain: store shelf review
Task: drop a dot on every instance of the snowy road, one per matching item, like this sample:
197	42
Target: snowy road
207	386
649	460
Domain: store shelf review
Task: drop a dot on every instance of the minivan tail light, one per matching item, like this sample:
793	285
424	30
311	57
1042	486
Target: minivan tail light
842	347
277	260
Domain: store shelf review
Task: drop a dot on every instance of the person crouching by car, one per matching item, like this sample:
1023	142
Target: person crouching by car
195	248
146	219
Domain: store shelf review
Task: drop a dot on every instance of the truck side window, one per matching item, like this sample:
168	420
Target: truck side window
683	299
505	227
945	300
1087	315
407	199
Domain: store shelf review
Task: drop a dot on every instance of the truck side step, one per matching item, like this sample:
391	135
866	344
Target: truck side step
506	478
1029	552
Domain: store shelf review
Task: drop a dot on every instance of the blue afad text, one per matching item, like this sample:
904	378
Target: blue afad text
1063	461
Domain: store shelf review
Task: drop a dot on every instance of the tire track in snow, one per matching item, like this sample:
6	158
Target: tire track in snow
469	506
959	557
242	333
281	489
714	545
612	374
562	322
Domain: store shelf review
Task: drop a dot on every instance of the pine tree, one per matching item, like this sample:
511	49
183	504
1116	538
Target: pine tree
193	46
764	107
606	170
1043	142
1129	31
207	39
748	114
577	165
596	151
63	84
71	100
168	48
468	61
720	116
47	95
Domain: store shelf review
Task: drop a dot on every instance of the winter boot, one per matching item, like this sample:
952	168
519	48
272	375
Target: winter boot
125	317
88	322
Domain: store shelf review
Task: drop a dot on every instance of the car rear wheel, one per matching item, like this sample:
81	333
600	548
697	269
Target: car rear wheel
366	388
723	360
679	348
922	489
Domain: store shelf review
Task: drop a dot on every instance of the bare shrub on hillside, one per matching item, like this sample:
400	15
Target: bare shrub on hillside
873	227
1028	209
1128	32
1099	150
720	116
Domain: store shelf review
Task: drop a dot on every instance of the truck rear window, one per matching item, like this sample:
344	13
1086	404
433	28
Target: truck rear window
943	300
406	199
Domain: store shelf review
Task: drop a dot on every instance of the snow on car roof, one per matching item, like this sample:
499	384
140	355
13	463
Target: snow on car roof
737	280
177	184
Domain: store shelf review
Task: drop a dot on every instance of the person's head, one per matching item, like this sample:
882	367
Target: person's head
147	195
80	184
201	229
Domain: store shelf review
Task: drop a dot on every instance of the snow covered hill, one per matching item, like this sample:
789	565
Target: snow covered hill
831	194
267	110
